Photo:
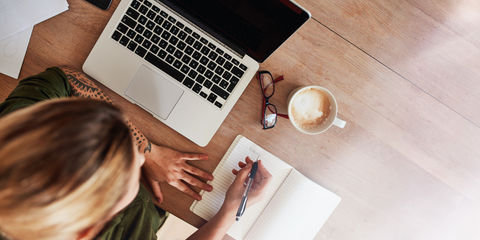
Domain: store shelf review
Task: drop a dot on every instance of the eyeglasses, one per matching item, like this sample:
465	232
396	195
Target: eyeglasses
269	111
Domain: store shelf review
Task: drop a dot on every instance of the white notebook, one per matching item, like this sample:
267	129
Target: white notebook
294	207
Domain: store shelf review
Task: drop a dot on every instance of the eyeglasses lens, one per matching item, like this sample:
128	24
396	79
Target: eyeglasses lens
270	116
267	84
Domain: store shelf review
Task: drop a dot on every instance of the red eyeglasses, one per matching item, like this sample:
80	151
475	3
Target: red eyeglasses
269	111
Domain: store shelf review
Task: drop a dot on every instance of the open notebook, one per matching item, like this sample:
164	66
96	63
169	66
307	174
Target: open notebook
294	207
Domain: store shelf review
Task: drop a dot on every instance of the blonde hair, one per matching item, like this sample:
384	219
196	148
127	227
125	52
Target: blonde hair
64	165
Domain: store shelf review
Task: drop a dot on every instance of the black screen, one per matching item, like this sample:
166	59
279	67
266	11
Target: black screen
254	27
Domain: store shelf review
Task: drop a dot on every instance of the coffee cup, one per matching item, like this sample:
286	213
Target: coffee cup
313	109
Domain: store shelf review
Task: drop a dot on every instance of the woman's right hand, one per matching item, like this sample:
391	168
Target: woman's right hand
259	186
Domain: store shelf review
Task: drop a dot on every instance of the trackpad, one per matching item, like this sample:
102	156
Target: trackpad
154	92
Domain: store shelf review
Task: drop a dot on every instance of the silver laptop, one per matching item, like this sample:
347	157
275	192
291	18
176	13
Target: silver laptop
187	62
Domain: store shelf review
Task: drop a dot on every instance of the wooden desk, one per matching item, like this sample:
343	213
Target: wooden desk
406	78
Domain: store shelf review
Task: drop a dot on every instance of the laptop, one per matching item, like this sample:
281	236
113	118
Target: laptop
187	62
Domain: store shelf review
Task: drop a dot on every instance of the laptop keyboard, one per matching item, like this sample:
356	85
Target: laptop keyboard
179	51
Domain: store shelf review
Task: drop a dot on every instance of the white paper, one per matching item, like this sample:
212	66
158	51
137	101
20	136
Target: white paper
12	52
18	15
297	211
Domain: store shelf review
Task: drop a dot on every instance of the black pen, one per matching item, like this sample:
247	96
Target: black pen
243	204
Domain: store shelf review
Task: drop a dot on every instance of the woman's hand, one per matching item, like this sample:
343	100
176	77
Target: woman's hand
259	186
163	164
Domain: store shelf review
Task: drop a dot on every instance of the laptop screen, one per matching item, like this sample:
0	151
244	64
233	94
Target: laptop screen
253	27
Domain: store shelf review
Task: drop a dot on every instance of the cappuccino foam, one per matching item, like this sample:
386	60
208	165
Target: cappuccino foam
310	108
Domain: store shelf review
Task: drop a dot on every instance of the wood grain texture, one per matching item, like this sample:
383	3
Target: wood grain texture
405	75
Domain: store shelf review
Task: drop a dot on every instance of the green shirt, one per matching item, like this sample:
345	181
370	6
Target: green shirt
139	220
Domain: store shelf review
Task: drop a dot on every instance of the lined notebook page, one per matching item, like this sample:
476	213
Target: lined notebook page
212	201
297	211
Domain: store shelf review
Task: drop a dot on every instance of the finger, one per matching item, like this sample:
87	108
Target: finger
248	160
187	190
197	183
194	156
242	175
264	174
197	172
241	164
234	171
156	191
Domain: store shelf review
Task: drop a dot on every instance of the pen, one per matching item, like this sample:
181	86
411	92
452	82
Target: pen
243	204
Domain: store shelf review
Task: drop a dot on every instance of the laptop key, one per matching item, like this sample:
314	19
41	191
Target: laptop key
195	35
173	40
132	45
233	83
243	67
146	44
197	45
174	30
235	61
186	59
201	69
219	105
124	41
188	82
188	30
212	65
190	40
216	79
151	14
156	9
131	33
178	54
220	92
204	41
166	25
139	29
223	84
140	51
163	44
219	70
182	35
200	79
212	97
122	28
209	74
204	95
143	9
147	34
149	4
157	62
185	69
165	35
158	20
212	55
135	4
170	49
181	45
228	65
177	64
142	19
117	35
162	54
157	30
150	25
139	39
189	50
196	55
205	50
197	88
154	49
170	59
180	25
220	60
164	14
207	84
192	74
155	39
237	72
129	21
226	75
193	64
228	57
172	19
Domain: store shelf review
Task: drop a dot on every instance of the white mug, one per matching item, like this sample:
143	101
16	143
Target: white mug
332	117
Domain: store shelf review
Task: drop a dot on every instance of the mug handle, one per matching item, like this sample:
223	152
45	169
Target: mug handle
339	123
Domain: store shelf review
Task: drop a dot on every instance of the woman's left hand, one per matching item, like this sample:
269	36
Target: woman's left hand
164	164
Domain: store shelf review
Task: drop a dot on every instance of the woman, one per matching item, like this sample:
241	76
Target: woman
69	169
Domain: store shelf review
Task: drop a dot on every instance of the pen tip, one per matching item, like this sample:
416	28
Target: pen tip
237	219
